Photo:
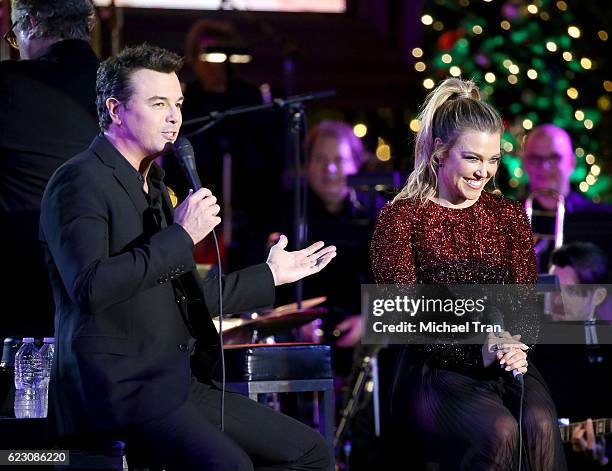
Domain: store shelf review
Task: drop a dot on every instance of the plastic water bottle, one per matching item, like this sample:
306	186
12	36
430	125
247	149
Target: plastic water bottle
46	352
28	381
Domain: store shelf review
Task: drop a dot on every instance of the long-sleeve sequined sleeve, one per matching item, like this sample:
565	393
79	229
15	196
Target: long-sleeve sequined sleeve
391	249
523	260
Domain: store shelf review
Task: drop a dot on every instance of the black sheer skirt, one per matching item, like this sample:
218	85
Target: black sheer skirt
471	422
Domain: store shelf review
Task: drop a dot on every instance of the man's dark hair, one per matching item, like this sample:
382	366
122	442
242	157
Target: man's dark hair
113	80
63	19
588	261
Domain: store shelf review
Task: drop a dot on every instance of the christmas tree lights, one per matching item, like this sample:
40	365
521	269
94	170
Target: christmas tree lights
536	62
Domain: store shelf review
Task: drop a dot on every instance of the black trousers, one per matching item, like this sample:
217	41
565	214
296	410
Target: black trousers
255	438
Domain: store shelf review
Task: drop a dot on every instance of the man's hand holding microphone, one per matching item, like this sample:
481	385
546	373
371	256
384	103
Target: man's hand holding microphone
198	214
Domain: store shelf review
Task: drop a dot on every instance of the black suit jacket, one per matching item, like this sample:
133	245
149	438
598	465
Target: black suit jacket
127	304
47	114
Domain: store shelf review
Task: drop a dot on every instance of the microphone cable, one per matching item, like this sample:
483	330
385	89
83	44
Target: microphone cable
521	380
220	285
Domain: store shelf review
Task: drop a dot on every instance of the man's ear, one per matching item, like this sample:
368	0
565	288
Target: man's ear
32	24
113	105
599	295
572	157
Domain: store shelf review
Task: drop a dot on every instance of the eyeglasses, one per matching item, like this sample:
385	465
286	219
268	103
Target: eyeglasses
10	37
535	159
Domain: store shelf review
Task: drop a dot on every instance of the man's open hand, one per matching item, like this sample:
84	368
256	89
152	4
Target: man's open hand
288	267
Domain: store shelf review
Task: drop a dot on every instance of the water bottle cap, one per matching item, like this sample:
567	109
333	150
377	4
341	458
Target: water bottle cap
28	340
49	340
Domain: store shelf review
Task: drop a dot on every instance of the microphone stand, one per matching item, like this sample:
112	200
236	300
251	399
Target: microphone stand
214	117
295	107
300	225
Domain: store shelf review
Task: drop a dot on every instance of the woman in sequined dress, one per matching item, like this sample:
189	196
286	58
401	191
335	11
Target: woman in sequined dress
455	401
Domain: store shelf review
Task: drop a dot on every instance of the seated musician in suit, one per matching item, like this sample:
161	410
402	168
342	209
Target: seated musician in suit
130	306
576	370
334	214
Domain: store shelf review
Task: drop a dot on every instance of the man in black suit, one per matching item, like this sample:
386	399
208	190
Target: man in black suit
580	349
130	305
47	114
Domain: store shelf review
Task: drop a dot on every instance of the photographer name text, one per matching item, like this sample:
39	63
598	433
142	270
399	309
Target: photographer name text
433	327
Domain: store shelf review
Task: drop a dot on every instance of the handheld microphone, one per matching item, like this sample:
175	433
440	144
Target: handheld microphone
494	316
183	150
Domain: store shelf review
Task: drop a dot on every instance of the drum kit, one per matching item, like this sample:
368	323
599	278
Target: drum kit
258	326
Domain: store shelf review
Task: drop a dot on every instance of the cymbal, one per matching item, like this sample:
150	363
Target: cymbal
271	324
228	323
306	304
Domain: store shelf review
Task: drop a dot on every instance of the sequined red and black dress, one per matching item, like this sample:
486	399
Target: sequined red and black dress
463	414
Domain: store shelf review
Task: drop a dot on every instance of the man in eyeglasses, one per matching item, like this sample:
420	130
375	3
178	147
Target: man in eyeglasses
549	160
47	114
